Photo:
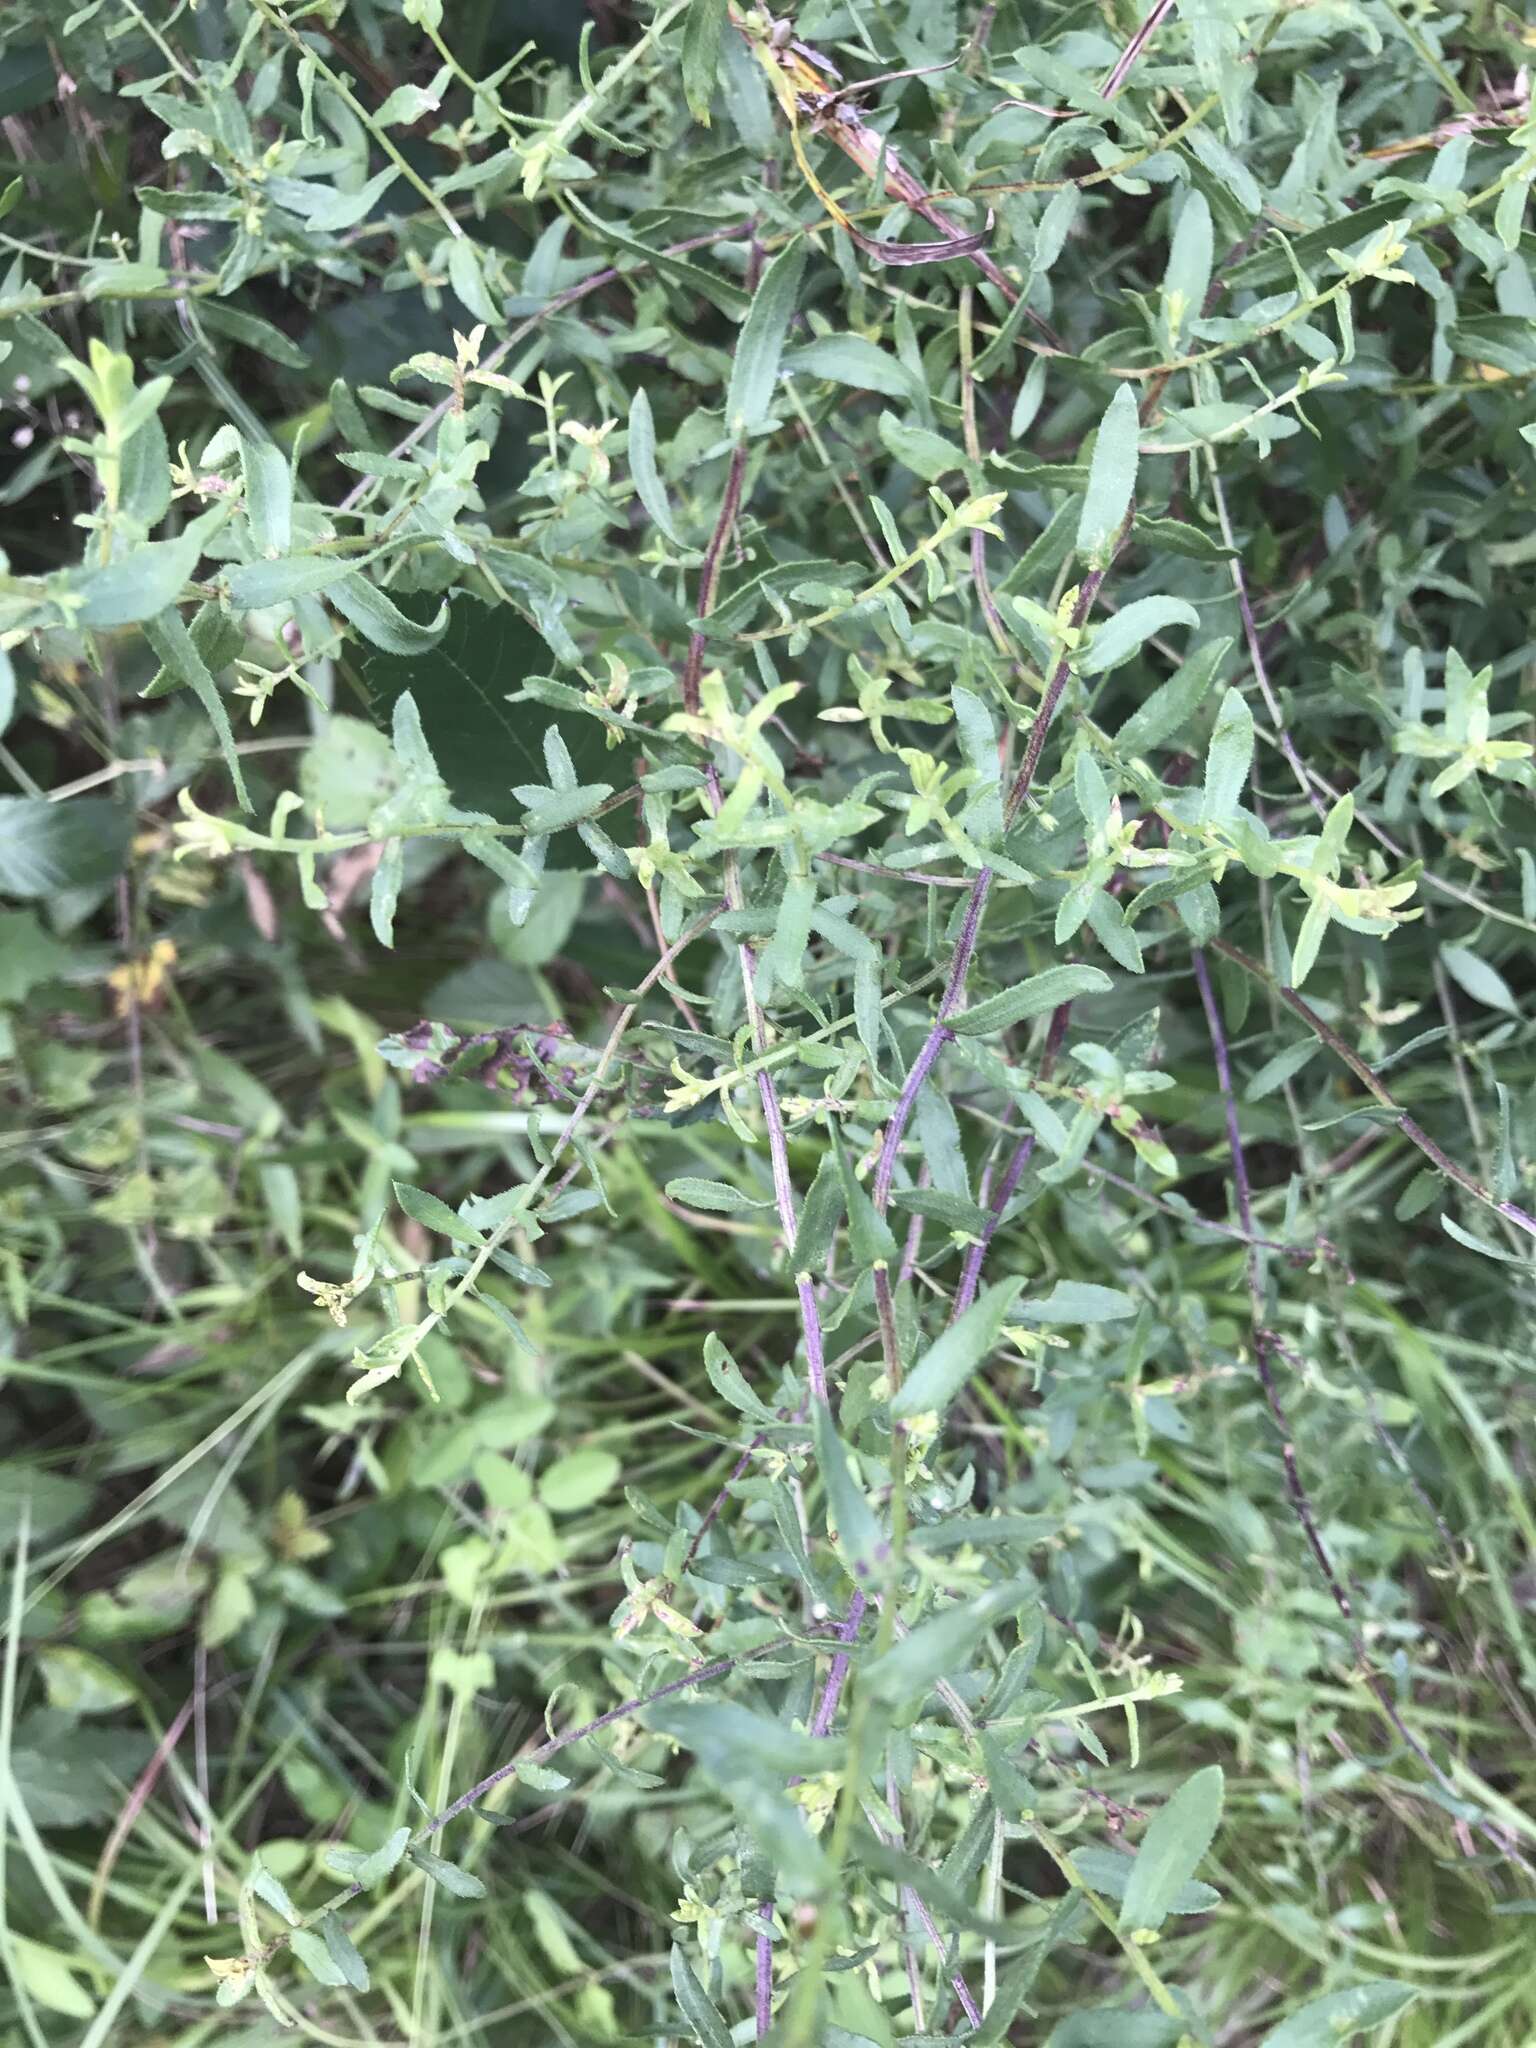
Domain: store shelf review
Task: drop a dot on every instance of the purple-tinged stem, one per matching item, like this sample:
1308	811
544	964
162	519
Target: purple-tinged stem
1008	1186
709	578
765	1969
954	990
832	1690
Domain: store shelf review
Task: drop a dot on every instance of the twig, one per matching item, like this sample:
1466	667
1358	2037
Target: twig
1377	1089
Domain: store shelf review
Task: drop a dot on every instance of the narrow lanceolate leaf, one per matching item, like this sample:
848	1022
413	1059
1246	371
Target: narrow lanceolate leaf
1111	478
859	1541
1176	1840
706	2025
1126	630
432	1214
268	495
1172	704
760	344
943	1645
711	1194
947	1364
1228	761
1342	2014
642	466
702	34
168	636
1030	998
1188	275
460	1884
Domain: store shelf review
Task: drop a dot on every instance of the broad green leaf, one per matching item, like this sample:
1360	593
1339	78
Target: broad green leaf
925	453
1481	980
849	359
268	495
1340	2014
577	1480
1111	479
316	1957
138	583
1041	992
46	848
368	1868
1109	1872
1177	1838
949	1362
1128	629
760	344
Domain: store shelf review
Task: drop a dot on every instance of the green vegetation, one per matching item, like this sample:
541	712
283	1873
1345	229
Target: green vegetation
766	889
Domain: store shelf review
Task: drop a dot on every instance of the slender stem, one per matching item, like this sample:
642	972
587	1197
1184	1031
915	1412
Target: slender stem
1008	1186
709	580
1377	1088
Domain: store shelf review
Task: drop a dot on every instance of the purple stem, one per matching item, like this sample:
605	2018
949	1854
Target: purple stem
933	1045
765	1970
831	1692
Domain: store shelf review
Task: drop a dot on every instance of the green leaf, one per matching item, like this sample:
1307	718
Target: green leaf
1326	2021
313	1953
819	1217
1177	1838
926	454
338	1944
1077	1301
849	359
268	495
459	1884
859	1541
31	955
702	33
137	585
466	274
642	463
1111	479
47	848
1482	982
577	1480
381	621
760	344
1041	992
1108	1872
949	1362
368	1868
942	1646
712	1194
1172	704
1228	761
705	2024
1129	628
434	1215
1188	276
173	645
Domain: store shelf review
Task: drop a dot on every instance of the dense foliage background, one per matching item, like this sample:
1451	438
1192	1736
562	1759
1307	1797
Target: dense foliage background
698	1342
